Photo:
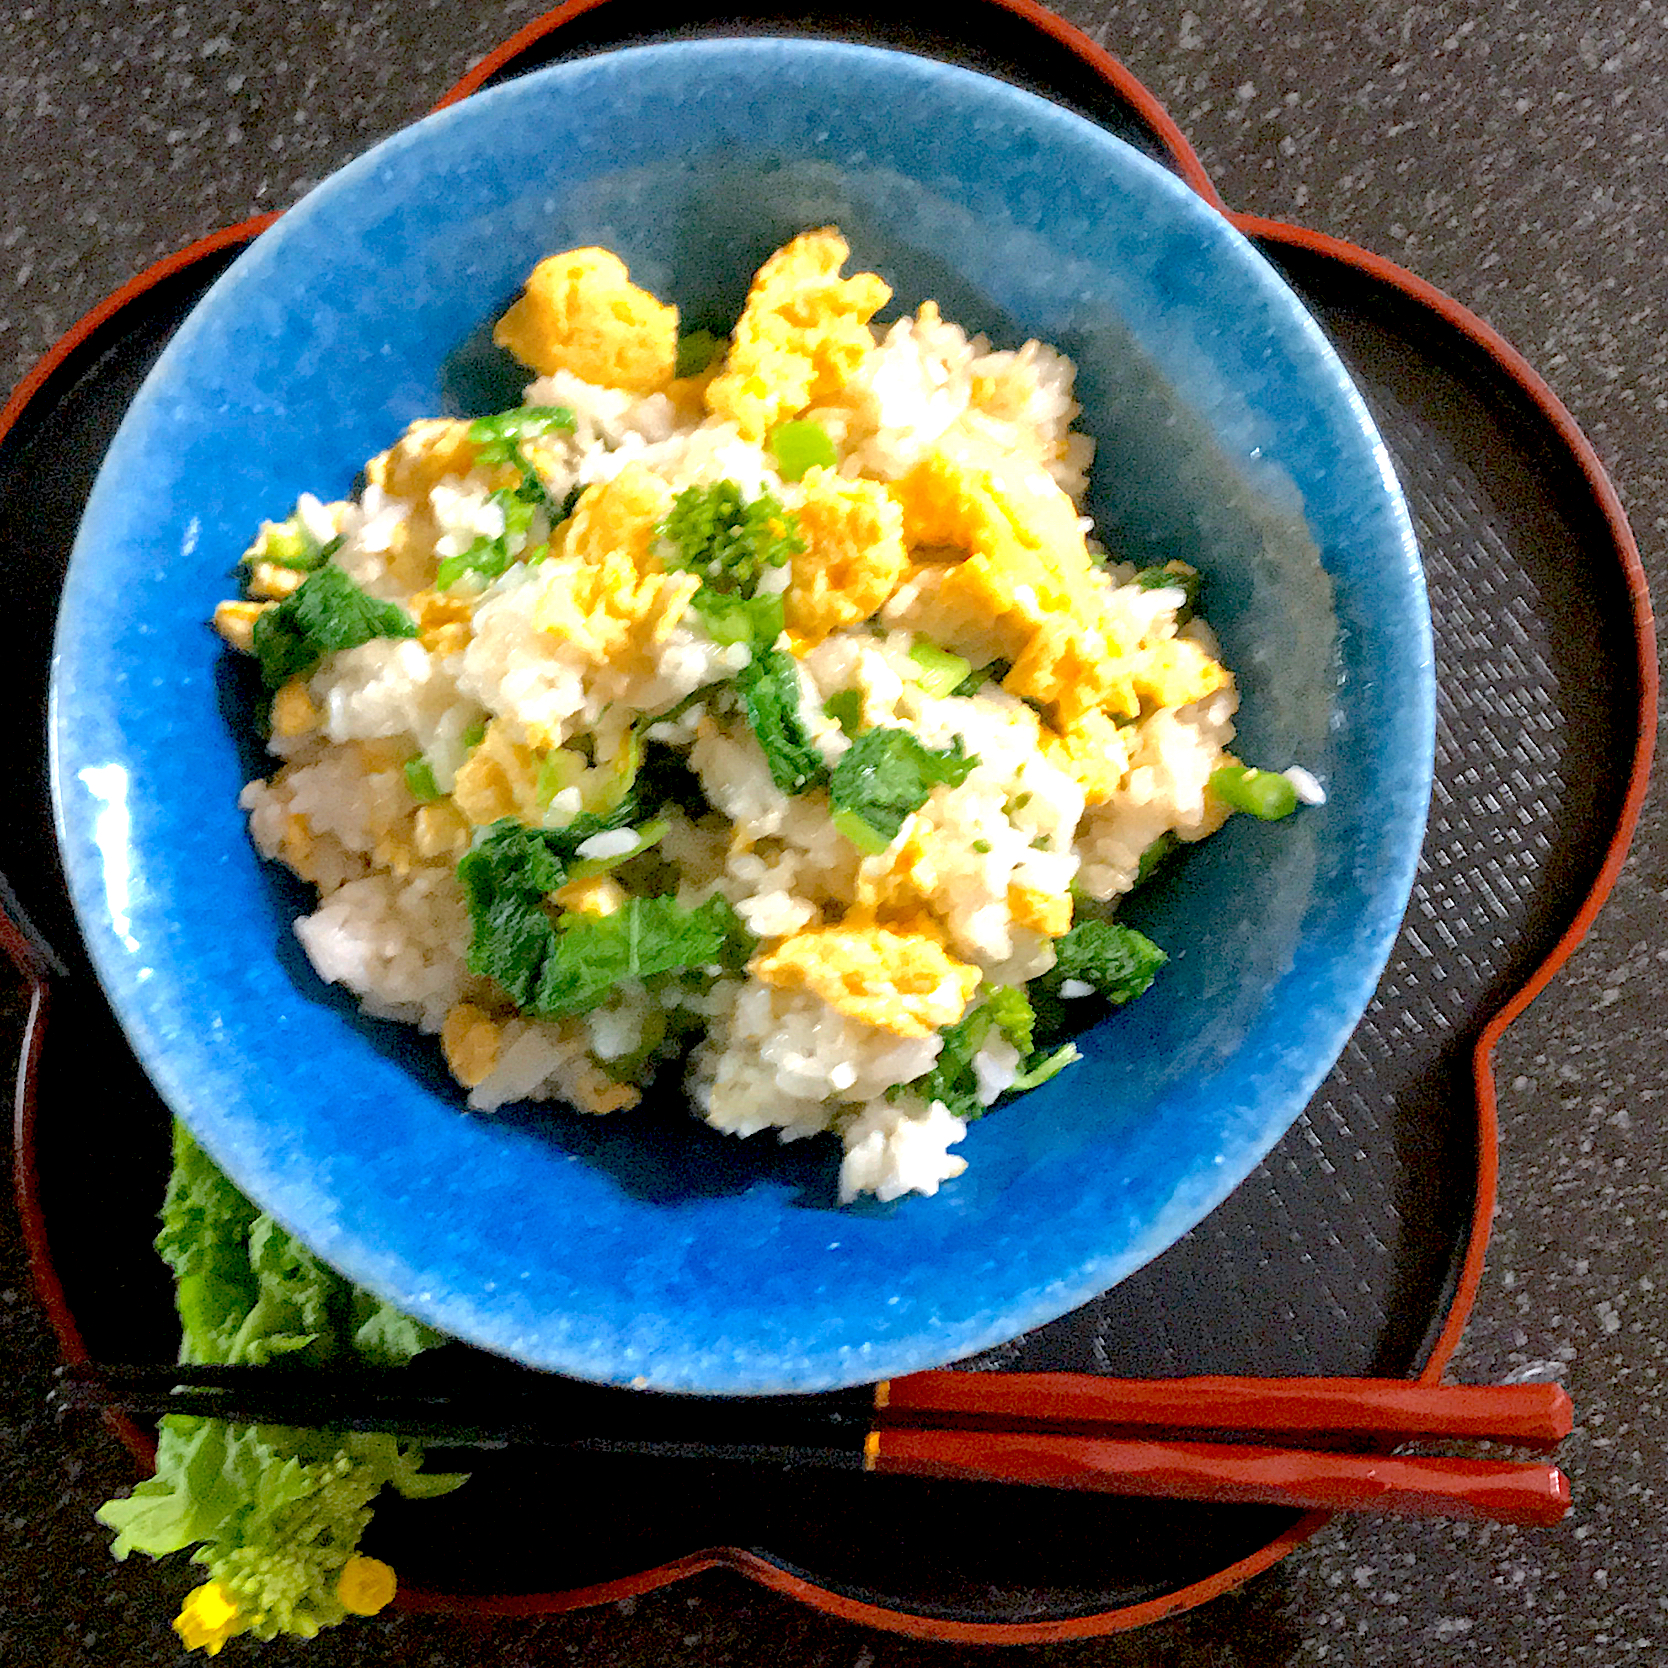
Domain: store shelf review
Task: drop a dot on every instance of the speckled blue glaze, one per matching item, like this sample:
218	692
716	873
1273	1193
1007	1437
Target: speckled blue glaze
645	1248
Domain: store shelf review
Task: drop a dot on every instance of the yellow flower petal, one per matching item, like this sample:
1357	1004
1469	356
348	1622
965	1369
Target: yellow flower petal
208	1618
365	1586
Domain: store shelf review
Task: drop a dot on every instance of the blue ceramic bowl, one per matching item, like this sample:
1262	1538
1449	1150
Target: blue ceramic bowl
651	1250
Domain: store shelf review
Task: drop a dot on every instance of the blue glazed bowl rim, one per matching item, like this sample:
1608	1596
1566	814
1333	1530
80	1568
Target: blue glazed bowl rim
265	1175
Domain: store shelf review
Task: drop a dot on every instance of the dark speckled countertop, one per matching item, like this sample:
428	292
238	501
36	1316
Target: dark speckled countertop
1510	151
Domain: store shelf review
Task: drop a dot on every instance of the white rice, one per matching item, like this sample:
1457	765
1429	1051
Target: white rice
391	925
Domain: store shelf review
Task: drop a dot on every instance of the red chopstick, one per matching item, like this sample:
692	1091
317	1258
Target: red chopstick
1526	1415
1503	1491
1071	1430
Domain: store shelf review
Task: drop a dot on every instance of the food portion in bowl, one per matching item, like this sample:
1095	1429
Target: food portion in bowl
761	707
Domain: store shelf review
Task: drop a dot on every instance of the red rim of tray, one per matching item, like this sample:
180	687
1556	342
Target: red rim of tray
1144	104
19	947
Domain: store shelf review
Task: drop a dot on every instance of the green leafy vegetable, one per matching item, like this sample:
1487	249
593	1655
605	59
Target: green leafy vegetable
278	1512
474	735
769	686
488	559
952	1079
326	614
886	774
506	876
799	446
728	540
1010	1011
1264	793
939	672
571	962
642	939
1173	576
845	707
1117	960
499	440
696	351
248	1291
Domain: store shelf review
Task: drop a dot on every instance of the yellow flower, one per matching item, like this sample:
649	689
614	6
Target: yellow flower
208	1618
365	1585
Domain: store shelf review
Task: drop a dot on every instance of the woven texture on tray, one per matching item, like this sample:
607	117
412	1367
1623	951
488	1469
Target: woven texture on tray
1339	1253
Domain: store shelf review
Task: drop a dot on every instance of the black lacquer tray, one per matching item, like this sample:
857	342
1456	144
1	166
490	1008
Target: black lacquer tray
1353	1250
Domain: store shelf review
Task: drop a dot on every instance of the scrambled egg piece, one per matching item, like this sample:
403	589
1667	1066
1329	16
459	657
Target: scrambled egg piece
1176	671
580	312
614	614
1092	752
443	620
619	515
439	830
1028	584
469	1038
499	779
898	977
431	449
293	712
272	581
1028	572
853	558
1075	665
896	882
801	336
1046	912
606	593
235	621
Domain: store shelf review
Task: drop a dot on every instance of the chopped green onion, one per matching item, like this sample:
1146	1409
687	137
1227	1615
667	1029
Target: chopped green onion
755	621
1264	793
696	351
845	707
286	542
475	734
941	673
982	847
497	439
1051	1065
1155	857
651	833
618	783
419	779
870	841
800	446
558	769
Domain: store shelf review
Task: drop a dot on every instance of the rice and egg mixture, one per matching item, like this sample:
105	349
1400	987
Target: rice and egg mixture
762	705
